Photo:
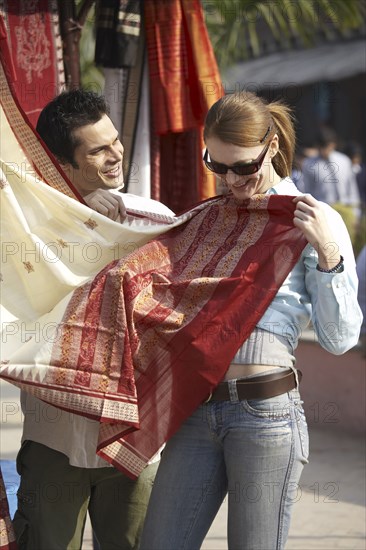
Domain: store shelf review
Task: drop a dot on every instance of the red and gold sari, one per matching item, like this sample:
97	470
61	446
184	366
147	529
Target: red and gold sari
140	345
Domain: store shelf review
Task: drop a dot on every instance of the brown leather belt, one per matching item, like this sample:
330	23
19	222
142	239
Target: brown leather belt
258	387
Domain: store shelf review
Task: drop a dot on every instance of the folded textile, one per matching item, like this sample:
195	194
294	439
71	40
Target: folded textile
140	345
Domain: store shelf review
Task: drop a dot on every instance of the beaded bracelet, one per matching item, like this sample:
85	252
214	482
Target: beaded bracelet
336	269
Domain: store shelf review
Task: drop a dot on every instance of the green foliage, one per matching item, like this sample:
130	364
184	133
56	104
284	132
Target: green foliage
236	27
356	227
91	76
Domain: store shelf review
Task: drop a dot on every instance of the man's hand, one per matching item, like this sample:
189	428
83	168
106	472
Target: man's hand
107	203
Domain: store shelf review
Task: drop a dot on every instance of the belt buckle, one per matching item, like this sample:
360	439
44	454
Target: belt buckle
208	399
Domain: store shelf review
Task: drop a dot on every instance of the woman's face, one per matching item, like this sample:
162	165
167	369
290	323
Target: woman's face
244	187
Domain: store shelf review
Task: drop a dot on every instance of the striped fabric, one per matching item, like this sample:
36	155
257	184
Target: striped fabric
40	163
184	83
118	24
143	343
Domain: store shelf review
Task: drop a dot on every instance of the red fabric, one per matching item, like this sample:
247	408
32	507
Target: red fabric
35	55
175	170
43	161
183	72
7	537
184	82
222	287
5	54
143	344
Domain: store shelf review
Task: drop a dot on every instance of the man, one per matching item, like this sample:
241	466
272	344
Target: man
329	177
62	478
361	273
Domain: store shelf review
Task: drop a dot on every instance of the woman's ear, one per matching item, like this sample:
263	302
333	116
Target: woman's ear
274	146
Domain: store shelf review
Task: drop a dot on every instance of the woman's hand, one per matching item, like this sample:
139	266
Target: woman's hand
310	217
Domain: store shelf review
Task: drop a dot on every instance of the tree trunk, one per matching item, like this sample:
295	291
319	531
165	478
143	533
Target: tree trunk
71	25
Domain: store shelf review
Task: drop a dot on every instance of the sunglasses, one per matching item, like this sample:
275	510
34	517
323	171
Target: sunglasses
244	169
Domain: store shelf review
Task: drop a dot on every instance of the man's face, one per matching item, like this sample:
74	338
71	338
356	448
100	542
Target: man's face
98	158
326	150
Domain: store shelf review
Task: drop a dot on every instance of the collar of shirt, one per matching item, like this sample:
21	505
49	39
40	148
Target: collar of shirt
285	187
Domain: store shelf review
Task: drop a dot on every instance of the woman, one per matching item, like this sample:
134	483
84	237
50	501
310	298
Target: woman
249	439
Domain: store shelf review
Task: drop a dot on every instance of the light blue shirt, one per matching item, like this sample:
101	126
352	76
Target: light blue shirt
328	300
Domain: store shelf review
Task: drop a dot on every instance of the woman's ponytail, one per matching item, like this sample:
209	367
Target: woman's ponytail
283	119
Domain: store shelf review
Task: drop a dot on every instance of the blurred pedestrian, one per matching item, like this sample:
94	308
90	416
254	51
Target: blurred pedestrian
361	272
329	177
354	151
301	154
249	438
296	173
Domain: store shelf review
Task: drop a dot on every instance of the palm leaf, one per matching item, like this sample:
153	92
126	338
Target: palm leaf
238	29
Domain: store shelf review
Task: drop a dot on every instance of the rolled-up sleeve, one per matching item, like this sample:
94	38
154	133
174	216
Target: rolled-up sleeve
336	314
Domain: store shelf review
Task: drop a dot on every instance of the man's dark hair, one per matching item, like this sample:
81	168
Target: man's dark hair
326	136
64	114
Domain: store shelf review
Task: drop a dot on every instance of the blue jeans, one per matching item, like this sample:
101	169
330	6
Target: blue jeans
253	451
